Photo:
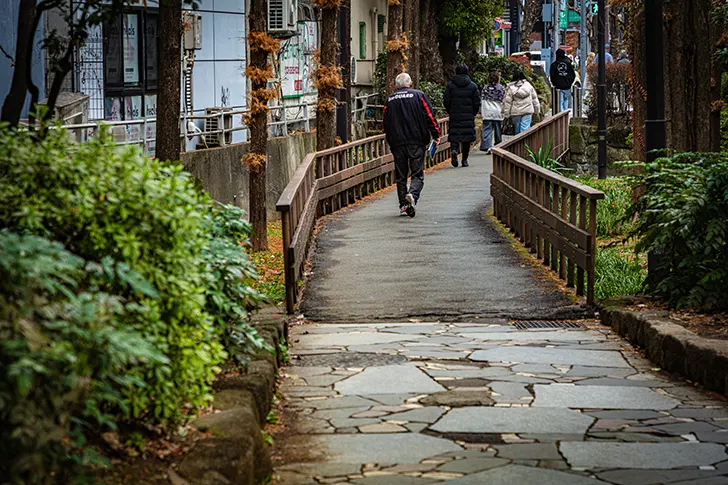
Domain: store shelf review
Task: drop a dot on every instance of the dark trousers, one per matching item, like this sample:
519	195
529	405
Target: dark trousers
463	147
409	159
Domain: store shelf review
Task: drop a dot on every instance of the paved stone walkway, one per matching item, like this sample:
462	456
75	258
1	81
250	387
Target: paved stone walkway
481	401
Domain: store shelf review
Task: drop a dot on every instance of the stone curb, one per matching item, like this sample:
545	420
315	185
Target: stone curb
233	450
669	345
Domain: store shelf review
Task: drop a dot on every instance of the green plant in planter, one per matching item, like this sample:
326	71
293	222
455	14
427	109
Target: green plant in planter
542	158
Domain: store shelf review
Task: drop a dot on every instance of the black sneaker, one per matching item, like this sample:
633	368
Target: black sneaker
465	163
454	159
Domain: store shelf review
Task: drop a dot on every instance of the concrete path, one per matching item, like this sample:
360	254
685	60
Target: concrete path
449	261
444	388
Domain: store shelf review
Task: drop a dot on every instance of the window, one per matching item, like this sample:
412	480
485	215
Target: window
362	40
130	65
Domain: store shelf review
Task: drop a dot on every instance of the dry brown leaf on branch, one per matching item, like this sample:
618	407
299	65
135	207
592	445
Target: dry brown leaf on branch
327	77
327	4
254	161
326	105
394	2
258	75
260	41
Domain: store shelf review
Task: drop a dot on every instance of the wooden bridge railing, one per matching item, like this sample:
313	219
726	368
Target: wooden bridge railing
329	180
553	216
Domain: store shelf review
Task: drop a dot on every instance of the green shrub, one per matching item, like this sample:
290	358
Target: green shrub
617	273
229	295
65	356
613	219
436	93
100	202
683	215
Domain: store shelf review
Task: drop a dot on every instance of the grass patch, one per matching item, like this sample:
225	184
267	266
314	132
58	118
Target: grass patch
269	264
618	272
612	211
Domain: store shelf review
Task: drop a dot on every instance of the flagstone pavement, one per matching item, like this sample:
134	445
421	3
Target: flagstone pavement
457	402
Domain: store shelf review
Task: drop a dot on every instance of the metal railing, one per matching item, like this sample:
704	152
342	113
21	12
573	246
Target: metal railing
553	216
329	180
139	132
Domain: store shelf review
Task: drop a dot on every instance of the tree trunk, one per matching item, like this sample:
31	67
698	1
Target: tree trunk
396	46
326	112
15	100
531	14
412	27
690	87
257	159
637	54
168	94
430	59
449	54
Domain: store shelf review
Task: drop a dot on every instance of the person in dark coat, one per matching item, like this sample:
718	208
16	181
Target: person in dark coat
462	102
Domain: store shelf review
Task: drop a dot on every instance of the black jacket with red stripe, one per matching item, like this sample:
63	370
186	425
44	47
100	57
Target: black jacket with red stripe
409	118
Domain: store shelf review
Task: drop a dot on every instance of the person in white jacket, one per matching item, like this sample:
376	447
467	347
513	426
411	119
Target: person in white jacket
521	102
491	108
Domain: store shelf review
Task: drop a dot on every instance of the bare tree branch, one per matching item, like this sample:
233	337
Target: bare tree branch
10	58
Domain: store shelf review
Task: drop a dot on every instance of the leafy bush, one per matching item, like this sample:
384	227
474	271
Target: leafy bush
65	355
380	76
488	65
436	93
683	215
613	219
617	273
229	295
101	202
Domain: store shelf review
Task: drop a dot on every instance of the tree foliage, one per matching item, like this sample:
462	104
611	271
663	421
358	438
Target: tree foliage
470	21
126	318
683	215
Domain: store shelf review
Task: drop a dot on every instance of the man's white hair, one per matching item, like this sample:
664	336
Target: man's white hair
403	80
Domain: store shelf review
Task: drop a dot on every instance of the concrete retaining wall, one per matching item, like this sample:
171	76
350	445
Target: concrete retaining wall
584	147
225	177
670	345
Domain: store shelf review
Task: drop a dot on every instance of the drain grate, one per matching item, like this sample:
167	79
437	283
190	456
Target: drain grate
349	359
536	324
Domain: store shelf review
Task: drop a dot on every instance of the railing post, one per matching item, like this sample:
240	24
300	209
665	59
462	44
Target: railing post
221	127
285	121
307	120
592	250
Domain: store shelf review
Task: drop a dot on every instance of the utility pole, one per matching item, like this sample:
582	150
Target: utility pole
655	135
583	53
555	44
602	94
515	18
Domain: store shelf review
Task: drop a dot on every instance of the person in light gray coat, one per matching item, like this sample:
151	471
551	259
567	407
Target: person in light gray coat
491	108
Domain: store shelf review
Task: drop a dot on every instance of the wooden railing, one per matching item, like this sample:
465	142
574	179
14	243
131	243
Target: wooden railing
329	180
553	216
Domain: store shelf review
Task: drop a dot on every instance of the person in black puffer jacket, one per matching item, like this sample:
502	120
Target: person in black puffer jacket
462	102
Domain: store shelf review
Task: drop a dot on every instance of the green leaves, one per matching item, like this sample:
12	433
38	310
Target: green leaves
128	315
684	215
468	20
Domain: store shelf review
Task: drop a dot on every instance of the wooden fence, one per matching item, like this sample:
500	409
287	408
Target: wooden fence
553	216
329	180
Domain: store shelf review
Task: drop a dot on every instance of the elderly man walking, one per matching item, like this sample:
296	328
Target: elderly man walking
409	122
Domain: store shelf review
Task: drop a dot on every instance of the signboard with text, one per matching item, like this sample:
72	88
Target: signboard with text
296	61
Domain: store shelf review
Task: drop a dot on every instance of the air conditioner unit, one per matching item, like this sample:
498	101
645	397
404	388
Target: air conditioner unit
213	124
353	70
282	17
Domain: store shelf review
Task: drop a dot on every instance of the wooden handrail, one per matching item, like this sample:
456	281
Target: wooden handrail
552	215
327	181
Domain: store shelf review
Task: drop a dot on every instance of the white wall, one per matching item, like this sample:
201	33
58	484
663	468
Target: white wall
361	11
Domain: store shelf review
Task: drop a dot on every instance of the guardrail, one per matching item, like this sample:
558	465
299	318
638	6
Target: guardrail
329	180
553	216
